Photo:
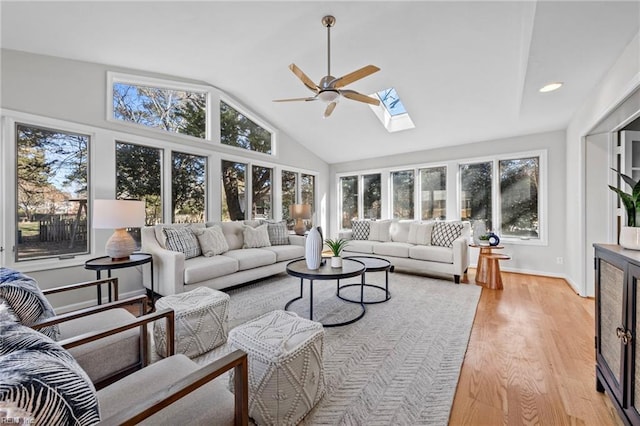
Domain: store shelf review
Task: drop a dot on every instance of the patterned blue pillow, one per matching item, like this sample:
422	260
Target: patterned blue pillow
26	300
444	233
360	229
40	382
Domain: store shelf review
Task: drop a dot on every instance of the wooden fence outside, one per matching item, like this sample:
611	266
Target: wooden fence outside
57	229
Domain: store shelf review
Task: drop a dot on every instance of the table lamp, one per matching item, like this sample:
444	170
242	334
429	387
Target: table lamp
299	212
119	215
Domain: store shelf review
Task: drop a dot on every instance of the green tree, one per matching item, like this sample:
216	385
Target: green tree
188	186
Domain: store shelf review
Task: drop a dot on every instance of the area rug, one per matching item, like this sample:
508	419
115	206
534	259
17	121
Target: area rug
398	365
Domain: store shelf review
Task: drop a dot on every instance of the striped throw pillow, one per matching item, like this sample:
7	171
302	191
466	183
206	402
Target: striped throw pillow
183	240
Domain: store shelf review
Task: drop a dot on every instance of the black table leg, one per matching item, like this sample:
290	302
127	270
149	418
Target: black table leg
109	285
99	288
311	300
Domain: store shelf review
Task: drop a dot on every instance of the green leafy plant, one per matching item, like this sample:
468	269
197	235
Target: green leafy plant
336	246
630	201
484	237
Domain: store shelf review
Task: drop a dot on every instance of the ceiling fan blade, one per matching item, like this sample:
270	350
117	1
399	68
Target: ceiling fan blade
295	99
303	77
354	76
353	95
330	108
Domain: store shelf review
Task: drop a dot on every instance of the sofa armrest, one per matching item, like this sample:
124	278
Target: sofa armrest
347	235
236	360
460	249
168	266
297	240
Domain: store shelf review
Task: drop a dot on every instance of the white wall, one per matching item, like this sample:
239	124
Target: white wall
525	258
75	92
620	81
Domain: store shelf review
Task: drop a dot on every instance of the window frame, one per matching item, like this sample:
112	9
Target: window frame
138	80
251	116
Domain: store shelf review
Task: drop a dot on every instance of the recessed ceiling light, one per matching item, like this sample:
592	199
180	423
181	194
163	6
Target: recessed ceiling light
551	87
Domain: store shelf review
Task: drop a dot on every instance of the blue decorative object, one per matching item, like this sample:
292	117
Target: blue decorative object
494	240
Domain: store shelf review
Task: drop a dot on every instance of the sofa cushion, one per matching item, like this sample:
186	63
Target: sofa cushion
256	237
360	229
212	241
444	233
251	257
232	233
361	246
399	230
278	232
182	240
161	236
431	253
393	249
420	233
288	252
205	268
379	230
41	382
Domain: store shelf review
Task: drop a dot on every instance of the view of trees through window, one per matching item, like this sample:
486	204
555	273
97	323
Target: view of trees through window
289	189
261	178
433	193
371	206
239	131
519	186
52	192
188	187
234	177
307	193
349	200
176	111
475	192
402	189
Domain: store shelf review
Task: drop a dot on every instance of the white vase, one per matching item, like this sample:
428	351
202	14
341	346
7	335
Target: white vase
630	237
313	249
479	229
336	262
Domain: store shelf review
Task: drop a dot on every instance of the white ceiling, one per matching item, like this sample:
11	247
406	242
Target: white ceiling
466	71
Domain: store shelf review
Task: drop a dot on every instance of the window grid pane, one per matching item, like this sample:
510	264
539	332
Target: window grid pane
349	199
403	189
261	178
289	185
233	190
371	206
519	186
188	187
433	193
307	194
239	131
52	193
476	199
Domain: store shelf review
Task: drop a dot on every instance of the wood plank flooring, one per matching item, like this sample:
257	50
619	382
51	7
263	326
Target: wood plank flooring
531	358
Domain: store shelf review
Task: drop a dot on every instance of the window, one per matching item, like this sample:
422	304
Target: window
169	109
308	191
52	192
261	201
402	189
139	177
391	111
371	203
234	177
519	189
475	192
433	193
239	131
188	187
289	190
349	200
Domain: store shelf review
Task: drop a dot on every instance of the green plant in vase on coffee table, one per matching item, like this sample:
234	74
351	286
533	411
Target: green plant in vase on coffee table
630	234
336	246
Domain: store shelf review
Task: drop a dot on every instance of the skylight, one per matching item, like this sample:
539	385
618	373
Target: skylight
391	111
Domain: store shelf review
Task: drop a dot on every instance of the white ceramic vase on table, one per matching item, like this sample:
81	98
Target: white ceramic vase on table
313	248
630	237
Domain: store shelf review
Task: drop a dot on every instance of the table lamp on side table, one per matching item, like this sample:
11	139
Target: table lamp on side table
299	212
119	215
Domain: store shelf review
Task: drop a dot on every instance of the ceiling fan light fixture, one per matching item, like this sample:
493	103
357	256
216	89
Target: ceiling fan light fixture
551	87
328	96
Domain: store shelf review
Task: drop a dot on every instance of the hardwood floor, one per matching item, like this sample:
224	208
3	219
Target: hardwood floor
531	358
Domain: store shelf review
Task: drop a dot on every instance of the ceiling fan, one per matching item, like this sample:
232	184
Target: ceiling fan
330	89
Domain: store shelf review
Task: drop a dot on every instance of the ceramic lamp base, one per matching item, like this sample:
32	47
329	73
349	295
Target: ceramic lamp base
120	245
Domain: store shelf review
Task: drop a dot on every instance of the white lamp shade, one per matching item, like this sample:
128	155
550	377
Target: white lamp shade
300	211
116	214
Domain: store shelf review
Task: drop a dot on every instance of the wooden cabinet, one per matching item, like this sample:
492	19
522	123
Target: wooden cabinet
617	326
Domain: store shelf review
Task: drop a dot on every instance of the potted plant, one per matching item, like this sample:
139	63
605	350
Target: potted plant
630	234
336	247
483	240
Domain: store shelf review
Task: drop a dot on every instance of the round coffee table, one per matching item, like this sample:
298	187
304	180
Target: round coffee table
350	268
371	264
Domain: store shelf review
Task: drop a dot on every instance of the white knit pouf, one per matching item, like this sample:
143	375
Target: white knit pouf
201	317
286	375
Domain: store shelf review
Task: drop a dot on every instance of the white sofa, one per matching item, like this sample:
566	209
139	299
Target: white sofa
413	246
174	274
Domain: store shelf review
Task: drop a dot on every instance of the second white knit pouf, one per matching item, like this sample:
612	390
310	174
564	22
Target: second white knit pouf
201	317
286	374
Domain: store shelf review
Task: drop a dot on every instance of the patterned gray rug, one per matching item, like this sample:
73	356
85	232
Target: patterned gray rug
398	365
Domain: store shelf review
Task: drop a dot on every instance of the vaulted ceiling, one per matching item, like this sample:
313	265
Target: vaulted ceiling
466	71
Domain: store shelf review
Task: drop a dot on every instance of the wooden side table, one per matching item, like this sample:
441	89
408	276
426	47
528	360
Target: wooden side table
488	268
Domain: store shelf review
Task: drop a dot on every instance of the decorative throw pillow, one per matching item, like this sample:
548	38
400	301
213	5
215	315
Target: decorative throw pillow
212	241
420	233
41	382
26	301
360	229
278	232
444	233
182	240
256	237
379	230
162	237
